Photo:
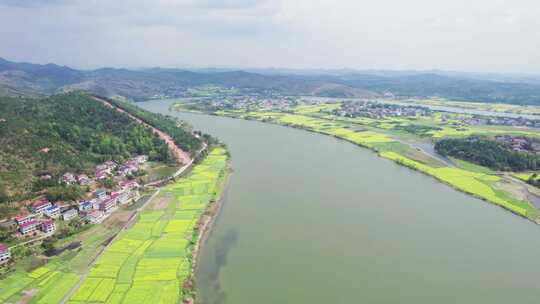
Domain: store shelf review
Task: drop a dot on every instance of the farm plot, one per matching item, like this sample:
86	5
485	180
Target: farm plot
150	261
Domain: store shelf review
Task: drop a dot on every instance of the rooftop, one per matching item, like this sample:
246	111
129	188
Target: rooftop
47	222
40	203
29	224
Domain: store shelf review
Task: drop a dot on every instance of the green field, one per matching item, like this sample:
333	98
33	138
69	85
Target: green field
149	262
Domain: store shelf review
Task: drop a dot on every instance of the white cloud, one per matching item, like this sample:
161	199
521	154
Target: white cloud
480	35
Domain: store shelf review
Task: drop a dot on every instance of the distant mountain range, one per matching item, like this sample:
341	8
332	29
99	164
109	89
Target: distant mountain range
25	79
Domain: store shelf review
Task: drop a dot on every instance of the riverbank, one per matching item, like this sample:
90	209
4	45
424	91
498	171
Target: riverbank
205	226
478	184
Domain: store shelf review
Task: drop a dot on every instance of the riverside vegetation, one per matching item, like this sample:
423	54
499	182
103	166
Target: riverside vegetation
406	141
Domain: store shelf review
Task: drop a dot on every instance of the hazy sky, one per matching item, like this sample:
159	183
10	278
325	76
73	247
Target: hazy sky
465	35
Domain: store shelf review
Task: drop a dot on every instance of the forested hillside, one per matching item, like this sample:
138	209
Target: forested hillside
69	132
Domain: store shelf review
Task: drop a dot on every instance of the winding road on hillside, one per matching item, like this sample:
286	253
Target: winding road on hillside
181	156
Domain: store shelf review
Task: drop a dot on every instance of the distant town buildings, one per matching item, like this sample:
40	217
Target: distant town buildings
378	110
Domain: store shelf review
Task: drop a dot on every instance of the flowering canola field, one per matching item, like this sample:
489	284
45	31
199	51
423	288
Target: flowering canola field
150	262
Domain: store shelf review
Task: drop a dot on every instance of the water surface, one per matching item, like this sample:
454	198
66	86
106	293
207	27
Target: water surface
311	219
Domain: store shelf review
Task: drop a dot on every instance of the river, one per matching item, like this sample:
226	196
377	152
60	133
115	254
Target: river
311	219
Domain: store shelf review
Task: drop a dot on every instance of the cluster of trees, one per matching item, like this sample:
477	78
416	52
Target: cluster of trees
487	153
72	132
420	130
179	131
65	193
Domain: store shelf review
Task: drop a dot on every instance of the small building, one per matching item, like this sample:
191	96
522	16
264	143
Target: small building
122	197
23	219
68	178
100	193
128	169
5	254
29	227
141	159
101	174
128	185
48	226
83	180
85	206
40	206
95	217
52	212
108	205
70	214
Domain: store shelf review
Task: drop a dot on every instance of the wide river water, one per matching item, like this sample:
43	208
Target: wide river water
310	219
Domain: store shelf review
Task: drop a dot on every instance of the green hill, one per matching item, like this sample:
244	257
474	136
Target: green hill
69	132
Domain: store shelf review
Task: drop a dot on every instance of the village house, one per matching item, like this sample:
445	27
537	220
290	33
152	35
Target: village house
129	185
83	180
5	254
85	206
29	227
108	205
45	177
48	226
107	166
69	215
52	212
100	175
40	206
122	197
23	219
128	168
95	217
68	178
100	194
141	159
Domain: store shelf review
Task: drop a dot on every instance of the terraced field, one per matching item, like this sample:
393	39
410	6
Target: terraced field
151	261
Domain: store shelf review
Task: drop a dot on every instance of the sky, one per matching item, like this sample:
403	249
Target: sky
457	35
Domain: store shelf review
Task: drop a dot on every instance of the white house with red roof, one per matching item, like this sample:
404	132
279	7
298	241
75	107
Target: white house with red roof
40	206
29	227
23	219
5	254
